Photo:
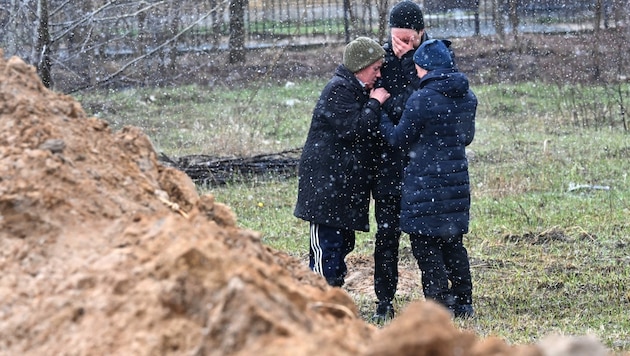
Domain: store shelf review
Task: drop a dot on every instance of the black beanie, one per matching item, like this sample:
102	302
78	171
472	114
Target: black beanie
406	14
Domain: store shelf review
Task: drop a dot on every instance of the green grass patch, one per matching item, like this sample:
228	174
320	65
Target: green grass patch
200	120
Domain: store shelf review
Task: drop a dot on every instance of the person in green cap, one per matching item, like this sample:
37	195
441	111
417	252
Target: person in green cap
336	168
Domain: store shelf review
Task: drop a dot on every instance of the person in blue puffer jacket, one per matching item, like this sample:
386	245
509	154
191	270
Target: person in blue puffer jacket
437	124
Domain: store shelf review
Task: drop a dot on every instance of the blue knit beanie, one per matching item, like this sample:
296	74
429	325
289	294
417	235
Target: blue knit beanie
434	54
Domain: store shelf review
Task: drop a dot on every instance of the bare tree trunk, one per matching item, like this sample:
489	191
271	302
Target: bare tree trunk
12	28
217	20
174	12
237	31
42	48
383	8
83	32
497	18
514	20
347	16
143	32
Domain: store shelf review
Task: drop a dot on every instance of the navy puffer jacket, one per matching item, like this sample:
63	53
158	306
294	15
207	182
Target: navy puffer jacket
398	77
337	164
436	126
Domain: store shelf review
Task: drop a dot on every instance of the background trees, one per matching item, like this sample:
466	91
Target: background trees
100	42
80	36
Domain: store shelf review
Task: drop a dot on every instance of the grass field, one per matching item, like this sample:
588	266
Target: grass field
550	216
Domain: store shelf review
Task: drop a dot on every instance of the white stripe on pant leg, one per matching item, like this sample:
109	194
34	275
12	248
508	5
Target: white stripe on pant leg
317	250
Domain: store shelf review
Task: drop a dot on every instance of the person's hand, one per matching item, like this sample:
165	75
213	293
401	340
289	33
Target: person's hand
380	94
402	46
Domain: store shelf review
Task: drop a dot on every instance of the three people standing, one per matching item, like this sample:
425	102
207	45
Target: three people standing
425	112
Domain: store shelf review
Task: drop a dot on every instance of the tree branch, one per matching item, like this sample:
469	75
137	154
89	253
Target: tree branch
148	54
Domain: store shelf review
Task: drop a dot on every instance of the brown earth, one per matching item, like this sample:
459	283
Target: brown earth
103	250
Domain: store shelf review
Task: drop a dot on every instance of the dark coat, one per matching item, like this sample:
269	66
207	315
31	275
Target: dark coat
337	164
398	77
436	126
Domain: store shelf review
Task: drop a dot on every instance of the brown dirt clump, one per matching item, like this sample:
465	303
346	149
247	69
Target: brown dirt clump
105	251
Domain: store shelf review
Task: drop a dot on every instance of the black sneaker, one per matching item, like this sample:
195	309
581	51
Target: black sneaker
335	281
463	311
384	312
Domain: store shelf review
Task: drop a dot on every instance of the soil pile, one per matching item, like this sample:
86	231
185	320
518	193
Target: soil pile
103	250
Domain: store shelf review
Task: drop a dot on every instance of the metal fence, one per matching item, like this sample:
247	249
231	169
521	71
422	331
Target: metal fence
297	22
201	25
300	22
80	34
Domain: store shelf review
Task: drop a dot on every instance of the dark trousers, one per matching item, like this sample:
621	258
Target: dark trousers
443	259
328	251
387	212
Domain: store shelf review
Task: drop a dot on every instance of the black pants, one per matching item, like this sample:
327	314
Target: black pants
443	259
387	212
329	247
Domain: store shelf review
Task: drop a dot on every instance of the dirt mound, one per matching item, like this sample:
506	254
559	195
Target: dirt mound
105	251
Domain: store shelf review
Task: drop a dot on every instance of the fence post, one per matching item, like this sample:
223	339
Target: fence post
598	15
477	25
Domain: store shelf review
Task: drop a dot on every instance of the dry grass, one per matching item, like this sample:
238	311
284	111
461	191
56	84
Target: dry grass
545	259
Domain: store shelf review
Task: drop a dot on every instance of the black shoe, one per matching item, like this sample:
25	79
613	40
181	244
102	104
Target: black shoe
463	311
335	281
384	312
